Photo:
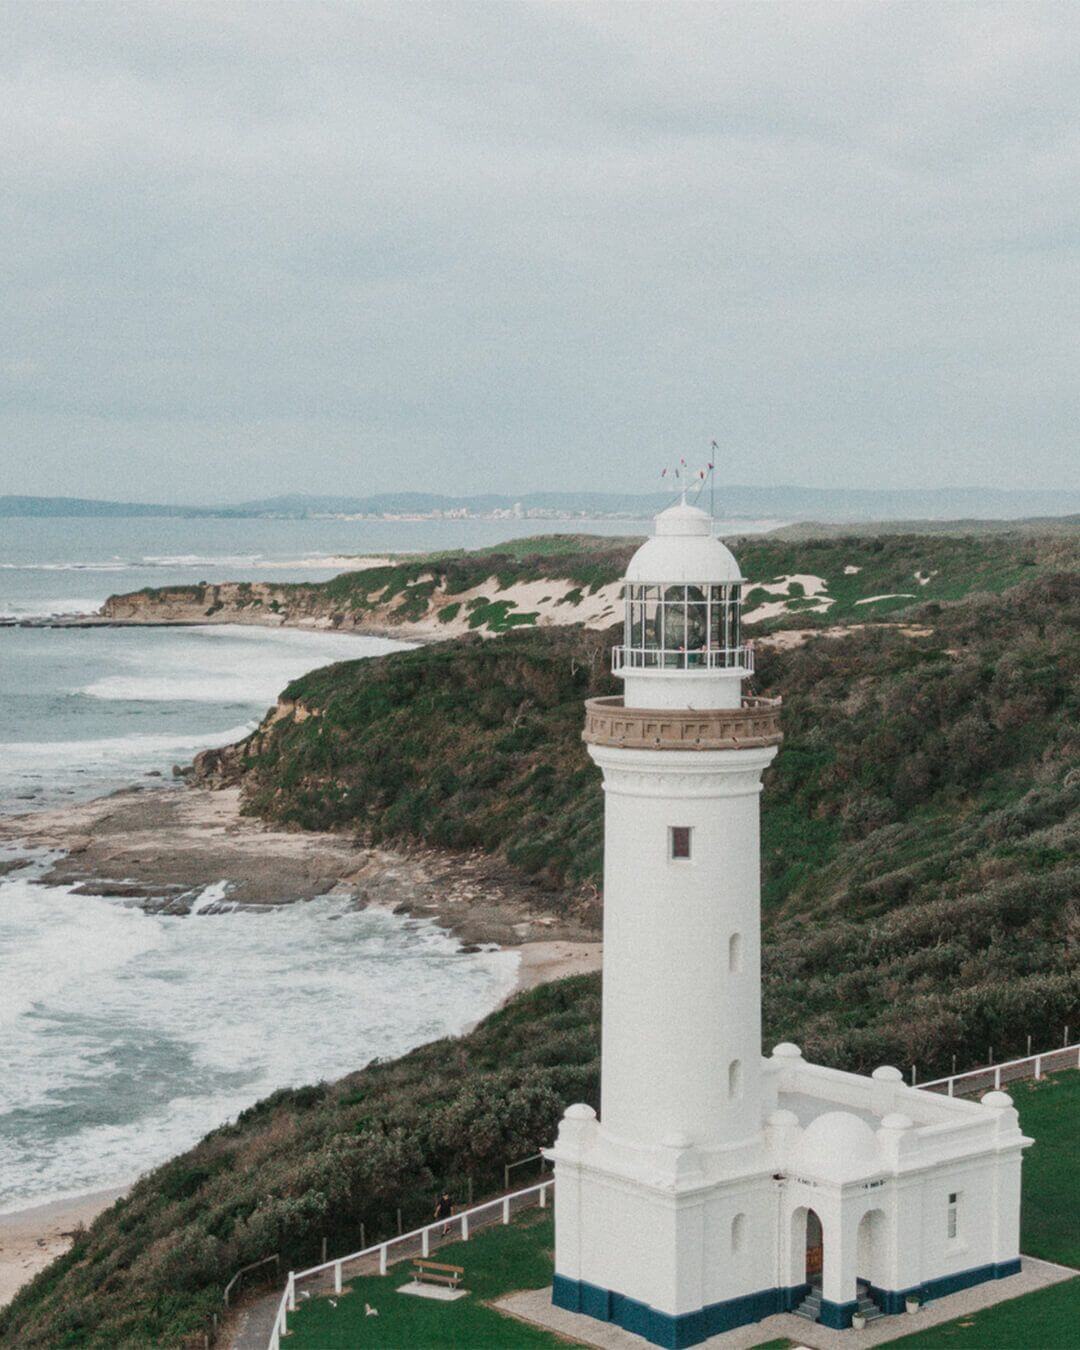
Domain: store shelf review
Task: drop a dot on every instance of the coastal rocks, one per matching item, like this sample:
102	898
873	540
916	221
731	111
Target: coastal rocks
191	851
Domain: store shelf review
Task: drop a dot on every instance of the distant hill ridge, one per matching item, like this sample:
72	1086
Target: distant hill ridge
967	509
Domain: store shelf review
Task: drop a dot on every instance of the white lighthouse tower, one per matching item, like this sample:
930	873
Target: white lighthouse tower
717	1187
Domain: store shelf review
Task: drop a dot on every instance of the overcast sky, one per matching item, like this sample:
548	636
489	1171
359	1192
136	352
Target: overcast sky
257	248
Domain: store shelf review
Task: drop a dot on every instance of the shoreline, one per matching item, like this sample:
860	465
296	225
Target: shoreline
33	1237
161	847
158	848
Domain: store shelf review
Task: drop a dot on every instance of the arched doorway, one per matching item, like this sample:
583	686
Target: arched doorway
815	1249
807	1247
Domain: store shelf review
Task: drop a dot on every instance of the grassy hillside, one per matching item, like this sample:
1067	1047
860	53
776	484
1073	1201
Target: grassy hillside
791	582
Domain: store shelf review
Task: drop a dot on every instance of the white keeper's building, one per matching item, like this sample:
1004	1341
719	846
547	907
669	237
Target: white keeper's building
718	1186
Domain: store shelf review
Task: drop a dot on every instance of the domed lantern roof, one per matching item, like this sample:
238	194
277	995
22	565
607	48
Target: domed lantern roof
683	599
683	552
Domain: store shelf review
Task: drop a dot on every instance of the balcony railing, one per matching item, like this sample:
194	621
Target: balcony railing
739	659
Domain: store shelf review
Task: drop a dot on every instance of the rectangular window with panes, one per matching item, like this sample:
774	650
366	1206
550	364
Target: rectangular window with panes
952	1223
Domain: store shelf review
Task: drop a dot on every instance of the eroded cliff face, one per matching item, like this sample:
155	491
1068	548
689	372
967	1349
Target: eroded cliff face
225	765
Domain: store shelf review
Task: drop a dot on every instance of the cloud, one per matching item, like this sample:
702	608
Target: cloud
336	246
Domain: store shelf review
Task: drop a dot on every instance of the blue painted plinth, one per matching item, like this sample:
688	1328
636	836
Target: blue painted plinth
684	1329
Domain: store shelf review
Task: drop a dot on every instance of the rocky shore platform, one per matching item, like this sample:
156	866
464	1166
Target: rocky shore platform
162	848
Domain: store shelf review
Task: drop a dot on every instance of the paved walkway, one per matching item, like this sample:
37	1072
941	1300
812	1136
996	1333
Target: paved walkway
535	1306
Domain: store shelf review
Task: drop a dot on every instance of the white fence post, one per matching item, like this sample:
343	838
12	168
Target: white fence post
465	1227
425	1242
997	1079
1038	1067
952	1083
292	1292
382	1259
506	1210
543	1197
337	1277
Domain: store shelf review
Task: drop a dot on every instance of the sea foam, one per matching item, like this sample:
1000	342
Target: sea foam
126	1036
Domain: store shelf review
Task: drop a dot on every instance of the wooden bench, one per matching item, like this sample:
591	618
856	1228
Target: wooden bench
437	1273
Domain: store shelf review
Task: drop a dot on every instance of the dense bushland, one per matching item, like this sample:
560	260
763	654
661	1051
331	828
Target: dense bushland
920	828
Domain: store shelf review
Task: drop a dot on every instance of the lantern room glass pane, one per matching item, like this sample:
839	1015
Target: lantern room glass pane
716	618
734	607
651	632
697	618
674	632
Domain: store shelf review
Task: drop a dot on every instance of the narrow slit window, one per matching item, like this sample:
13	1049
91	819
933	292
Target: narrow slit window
734	1079
953	1220
735	953
679	842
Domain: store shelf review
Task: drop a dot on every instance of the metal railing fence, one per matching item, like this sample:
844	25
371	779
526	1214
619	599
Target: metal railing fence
994	1075
418	1243
683	658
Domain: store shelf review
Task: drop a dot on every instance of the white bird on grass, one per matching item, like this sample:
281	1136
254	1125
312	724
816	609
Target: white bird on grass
332	1302
369	1311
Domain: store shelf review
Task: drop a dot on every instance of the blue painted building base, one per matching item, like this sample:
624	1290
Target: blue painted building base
676	1331
893	1300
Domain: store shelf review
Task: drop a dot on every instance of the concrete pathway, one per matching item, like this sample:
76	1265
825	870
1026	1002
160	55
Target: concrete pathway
535	1306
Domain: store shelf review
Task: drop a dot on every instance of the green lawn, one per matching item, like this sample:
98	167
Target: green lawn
1046	1320
501	1260
1050	1114
497	1261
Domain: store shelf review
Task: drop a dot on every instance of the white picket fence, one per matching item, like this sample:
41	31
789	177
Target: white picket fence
418	1242
994	1075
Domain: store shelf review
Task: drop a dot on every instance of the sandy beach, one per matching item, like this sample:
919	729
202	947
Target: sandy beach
31	1238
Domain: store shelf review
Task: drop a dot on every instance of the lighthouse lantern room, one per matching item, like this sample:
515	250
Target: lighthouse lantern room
717	1186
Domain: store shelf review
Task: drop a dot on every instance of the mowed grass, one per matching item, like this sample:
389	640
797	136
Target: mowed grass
497	1261
501	1260
1045	1320
1050	1114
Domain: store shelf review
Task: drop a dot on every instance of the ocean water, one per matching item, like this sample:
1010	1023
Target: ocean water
124	1037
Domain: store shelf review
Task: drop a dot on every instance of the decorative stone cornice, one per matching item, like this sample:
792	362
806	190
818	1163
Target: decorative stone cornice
754	725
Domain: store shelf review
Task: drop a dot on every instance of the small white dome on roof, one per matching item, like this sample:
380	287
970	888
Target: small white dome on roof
837	1146
683	551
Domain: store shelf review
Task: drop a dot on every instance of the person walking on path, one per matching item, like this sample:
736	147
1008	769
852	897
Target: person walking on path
444	1209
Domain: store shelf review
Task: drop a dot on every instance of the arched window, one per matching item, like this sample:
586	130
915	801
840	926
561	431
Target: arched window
734	953
738	1232
734	1079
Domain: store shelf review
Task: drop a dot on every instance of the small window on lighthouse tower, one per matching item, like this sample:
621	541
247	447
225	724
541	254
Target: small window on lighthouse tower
734	1079
679	843
735	953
